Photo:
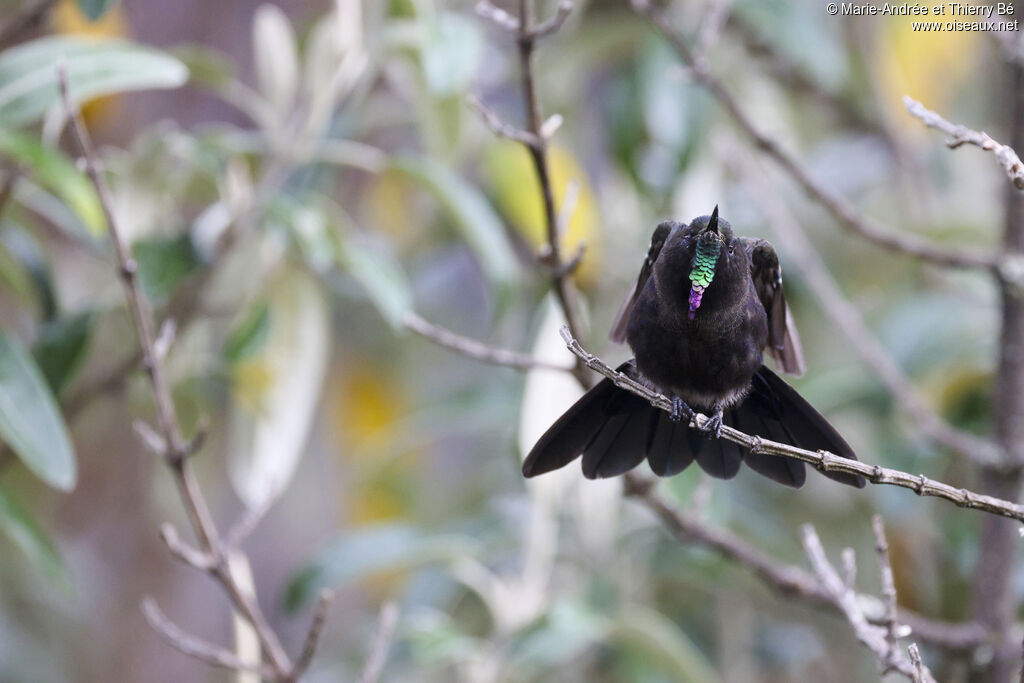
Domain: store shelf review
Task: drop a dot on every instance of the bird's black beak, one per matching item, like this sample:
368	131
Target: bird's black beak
713	223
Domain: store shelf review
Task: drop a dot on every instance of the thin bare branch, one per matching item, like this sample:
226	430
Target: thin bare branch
844	597
554	24
840	208
381	643
499	127
841	311
787	580
497	16
177	448
890	622
474	349
962	135
822	460
323	604
194	647
535	125
183	551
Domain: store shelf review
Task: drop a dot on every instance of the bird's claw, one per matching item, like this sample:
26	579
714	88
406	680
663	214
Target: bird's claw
680	410
713	425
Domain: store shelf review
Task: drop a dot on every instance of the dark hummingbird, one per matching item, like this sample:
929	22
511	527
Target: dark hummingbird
706	306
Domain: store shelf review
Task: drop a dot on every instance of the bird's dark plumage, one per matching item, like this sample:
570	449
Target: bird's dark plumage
705	307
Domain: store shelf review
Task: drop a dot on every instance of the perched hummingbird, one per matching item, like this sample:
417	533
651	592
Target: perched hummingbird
704	309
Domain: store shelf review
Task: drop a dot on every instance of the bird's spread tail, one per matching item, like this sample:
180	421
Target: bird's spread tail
614	430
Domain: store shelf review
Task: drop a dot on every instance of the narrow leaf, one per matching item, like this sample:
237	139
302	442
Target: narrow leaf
61	347
473	216
18	525
28	73
30	421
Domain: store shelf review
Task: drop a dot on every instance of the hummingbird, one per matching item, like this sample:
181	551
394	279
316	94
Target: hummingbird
706	306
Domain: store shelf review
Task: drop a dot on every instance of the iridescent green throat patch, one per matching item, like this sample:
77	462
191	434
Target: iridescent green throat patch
708	246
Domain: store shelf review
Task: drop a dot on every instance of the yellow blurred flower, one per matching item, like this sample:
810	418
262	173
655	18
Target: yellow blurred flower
929	66
514	185
68	18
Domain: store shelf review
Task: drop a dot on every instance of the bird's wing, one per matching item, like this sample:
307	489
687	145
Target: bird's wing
661	233
766	273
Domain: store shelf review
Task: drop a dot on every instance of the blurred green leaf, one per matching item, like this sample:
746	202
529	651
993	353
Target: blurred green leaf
663	643
451	54
277	389
94	9
19	526
16	275
30	421
61	347
164	263
28	74
474	217
370	550
377	270
567	630
205	66
276	57
52	170
250	336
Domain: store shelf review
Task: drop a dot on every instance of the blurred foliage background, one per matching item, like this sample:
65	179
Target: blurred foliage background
294	177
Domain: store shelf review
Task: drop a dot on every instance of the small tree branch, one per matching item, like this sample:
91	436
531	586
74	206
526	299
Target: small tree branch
873	637
787	580
499	127
888	593
840	208
535	126
193	647
962	135
841	311
177	448
381	643
822	460
471	348
313	635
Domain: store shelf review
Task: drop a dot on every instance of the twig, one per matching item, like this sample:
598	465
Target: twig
841	209
787	580
472	348
26	19
822	460
313	635
849	320
846	600
535	125
799	81
888	592
920	672
177	448
715	16
496	15
381	643
553	24
962	135
194	647
499	127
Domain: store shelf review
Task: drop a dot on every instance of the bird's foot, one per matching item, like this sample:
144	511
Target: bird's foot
713	425
680	409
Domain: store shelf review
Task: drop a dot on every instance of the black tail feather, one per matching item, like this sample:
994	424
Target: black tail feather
614	429
668	450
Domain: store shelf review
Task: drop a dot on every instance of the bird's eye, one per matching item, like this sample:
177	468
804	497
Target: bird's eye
732	248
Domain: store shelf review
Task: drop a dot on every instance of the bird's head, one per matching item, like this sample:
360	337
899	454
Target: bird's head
716	267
